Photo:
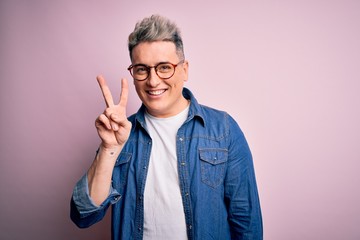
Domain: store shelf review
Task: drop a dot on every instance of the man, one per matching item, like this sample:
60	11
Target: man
175	169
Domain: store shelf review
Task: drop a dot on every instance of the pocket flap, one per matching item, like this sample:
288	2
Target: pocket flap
123	157
214	155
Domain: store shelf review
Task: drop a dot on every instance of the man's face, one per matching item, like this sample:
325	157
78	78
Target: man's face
162	97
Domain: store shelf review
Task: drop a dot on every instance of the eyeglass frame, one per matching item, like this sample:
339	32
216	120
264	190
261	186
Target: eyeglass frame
150	67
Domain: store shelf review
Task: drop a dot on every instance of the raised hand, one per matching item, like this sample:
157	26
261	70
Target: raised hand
112	125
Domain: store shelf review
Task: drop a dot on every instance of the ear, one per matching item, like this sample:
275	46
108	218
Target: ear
185	68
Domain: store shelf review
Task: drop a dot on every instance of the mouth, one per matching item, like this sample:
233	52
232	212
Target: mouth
156	92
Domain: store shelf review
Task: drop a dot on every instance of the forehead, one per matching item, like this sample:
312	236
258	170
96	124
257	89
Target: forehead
154	52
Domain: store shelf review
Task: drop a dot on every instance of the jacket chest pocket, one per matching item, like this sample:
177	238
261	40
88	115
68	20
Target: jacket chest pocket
122	168
213	165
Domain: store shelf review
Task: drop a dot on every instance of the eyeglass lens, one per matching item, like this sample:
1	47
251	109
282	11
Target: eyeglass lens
163	70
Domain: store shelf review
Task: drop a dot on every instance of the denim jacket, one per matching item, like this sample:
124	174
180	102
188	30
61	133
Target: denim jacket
216	175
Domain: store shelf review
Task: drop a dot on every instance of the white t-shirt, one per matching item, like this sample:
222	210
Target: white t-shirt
164	216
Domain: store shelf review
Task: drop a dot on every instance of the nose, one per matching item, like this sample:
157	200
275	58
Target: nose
153	79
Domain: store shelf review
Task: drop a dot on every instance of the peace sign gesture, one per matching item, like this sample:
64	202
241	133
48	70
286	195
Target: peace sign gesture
112	125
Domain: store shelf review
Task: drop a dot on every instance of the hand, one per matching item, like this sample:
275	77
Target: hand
112	125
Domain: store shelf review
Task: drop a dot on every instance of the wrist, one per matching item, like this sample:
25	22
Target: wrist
109	150
104	162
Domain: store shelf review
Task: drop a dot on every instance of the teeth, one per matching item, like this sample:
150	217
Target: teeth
157	92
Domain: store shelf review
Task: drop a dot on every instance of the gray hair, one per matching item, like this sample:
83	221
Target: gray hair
156	28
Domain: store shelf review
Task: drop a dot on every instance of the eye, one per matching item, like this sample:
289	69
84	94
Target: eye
164	67
140	69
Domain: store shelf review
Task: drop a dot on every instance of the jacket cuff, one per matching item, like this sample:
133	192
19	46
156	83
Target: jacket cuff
84	204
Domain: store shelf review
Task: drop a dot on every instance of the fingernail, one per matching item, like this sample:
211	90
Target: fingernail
114	126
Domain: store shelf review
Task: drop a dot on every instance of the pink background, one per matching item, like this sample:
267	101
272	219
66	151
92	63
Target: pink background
288	71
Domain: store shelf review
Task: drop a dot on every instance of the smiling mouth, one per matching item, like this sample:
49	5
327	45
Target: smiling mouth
156	92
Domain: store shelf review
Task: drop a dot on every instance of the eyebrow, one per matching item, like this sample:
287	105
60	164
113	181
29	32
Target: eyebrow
143	64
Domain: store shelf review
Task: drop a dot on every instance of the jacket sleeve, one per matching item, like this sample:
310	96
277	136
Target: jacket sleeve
83	211
241	194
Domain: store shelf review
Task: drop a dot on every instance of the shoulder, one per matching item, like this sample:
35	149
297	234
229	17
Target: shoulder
219	121
212	111
213	115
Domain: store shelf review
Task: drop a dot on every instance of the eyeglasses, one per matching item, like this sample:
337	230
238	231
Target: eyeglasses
164	70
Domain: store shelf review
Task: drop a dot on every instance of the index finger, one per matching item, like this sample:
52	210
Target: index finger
124	93
105	91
